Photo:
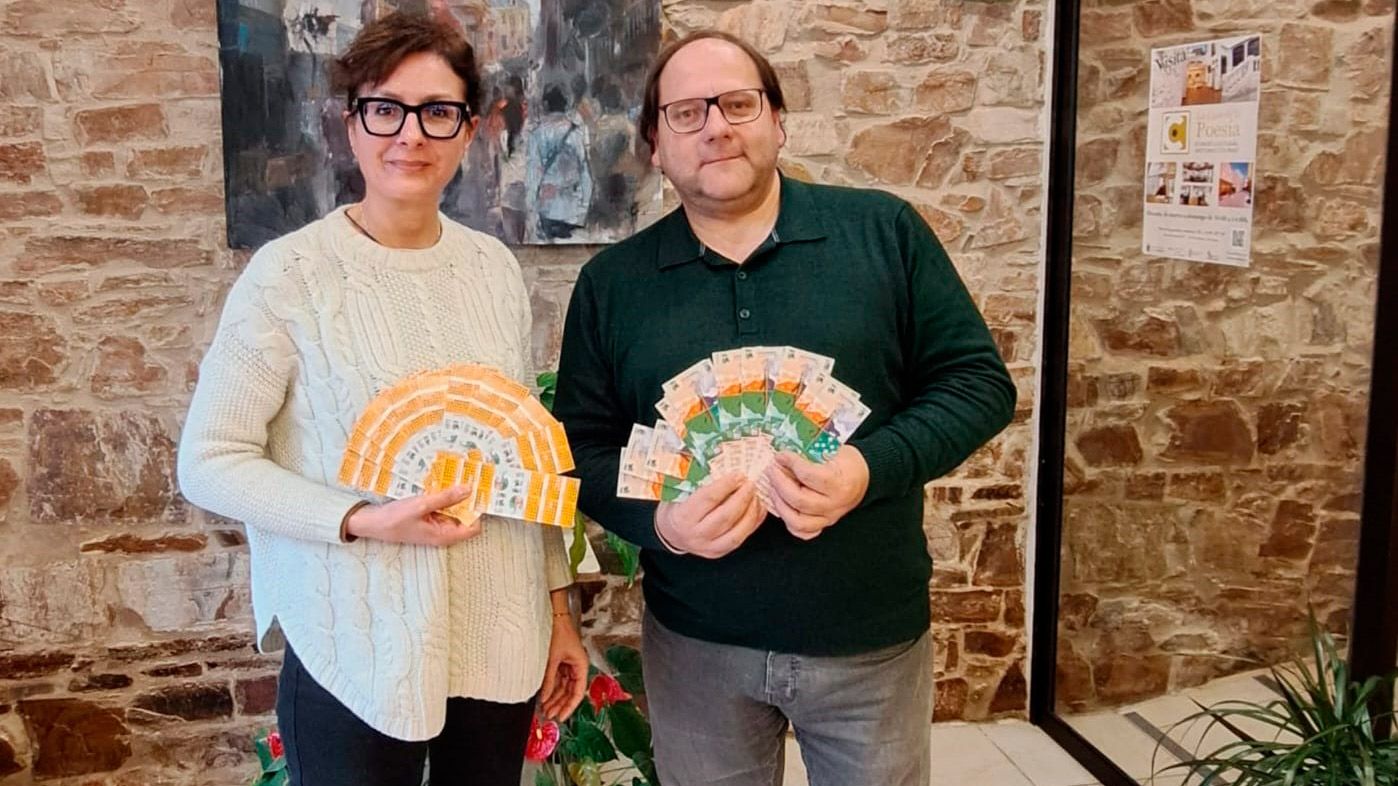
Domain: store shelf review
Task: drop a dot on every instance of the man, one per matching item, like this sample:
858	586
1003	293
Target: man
817	616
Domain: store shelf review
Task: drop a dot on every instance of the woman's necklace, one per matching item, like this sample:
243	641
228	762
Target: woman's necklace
370	235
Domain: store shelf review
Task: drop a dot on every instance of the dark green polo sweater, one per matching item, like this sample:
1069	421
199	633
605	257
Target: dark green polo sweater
849	273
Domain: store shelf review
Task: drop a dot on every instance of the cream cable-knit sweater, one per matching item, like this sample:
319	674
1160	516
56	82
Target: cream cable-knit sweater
319	322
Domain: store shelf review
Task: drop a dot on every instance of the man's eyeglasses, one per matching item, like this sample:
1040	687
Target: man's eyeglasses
437	119
689	115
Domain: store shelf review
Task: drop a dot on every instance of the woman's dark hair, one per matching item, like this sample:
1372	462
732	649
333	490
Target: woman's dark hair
383	44
649	122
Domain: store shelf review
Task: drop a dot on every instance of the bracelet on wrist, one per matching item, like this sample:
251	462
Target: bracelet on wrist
345	536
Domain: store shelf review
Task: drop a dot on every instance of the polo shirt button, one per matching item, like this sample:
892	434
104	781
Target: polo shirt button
742	275
744	314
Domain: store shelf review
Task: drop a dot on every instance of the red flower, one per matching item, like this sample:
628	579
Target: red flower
543	738
274	745
605	691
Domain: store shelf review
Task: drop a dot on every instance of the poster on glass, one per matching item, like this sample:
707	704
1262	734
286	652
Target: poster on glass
1201	150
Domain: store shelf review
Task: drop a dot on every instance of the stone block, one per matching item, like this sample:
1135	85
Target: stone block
950	699
113	201
977	605
60	252
190	701
194	590
1209	432
23	77
90	467
871	92
257	696
22	162
946	91
1110	446
920	48
56	603
121	124
895	152
74	737
20	120
122	369
1310	54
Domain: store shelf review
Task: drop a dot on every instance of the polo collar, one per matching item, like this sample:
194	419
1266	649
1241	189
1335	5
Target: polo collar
799	219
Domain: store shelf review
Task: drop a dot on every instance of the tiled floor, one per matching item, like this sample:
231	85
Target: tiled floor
1012	753
1128	734
1018	754
984	754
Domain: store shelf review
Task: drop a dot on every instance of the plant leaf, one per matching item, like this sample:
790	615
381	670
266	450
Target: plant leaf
626	667
584	714
590	744
585	773
264	750
645	763
629	555
1322	731
578	551
630	731
548	386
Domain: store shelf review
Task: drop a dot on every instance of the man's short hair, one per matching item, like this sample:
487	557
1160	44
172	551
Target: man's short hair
649	123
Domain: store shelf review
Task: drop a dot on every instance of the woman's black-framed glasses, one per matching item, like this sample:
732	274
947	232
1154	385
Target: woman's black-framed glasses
437	119
690	115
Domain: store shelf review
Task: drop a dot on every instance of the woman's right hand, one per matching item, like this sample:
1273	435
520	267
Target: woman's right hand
415	520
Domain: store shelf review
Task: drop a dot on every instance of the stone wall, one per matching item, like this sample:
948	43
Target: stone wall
125	631
1217	414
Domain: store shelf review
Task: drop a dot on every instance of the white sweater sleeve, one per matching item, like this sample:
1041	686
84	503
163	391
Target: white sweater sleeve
243	382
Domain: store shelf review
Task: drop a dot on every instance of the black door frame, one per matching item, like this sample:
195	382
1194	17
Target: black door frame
1374	629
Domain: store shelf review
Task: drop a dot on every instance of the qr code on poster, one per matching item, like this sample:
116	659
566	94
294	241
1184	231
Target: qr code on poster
1240	238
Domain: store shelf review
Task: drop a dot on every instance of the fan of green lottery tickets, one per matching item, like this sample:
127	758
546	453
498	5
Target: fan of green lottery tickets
731	414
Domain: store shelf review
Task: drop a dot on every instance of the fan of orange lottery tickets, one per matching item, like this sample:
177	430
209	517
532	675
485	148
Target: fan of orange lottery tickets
464	425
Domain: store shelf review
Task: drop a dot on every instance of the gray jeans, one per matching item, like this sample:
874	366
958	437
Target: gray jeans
719	712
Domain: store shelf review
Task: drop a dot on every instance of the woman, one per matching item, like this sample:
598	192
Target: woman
409	636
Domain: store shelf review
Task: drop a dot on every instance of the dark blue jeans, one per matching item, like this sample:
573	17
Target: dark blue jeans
482	743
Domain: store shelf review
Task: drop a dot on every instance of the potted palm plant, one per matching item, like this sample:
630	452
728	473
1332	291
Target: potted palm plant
1322	729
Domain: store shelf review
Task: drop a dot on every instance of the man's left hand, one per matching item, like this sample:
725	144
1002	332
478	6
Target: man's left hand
810	497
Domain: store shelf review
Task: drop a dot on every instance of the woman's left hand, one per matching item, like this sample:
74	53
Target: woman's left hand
565	680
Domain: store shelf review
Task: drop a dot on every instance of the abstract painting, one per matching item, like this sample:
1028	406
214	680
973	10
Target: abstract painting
553	159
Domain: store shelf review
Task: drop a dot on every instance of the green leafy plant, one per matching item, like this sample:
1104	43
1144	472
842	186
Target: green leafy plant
588	748
628	554
548	388
1322	729
271	758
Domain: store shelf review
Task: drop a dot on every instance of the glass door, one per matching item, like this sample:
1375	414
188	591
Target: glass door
1210	460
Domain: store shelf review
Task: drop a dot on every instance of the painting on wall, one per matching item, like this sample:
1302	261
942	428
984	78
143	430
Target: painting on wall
553	158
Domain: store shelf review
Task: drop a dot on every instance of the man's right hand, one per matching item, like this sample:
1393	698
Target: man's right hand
714	520
415	520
